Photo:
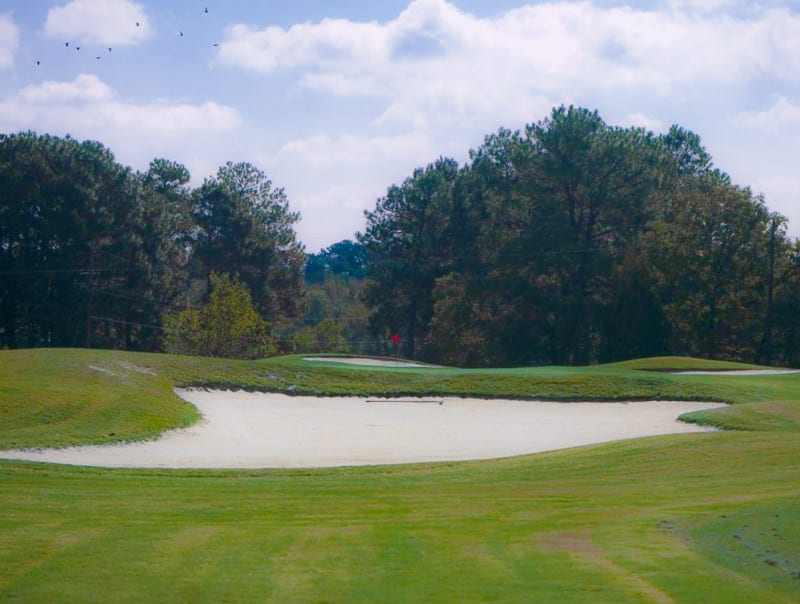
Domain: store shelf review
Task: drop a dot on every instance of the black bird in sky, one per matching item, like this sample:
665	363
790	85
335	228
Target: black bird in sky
66	44
206	11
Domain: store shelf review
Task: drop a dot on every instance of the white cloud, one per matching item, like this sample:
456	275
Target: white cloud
89	103
99	22
331	179
780	193
88	108
85	88
435	63
711	6
9	40
333	214
705	6
783	113
323	150
640	120
434	80
165	118
333	40
439	78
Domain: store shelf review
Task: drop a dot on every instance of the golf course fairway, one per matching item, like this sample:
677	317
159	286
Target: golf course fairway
708	517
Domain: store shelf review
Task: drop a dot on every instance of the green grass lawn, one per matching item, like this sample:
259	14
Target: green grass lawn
690	518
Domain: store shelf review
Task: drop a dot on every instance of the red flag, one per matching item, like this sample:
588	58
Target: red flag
396	339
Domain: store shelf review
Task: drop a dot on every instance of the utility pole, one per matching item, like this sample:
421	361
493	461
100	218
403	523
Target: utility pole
89	274
773	229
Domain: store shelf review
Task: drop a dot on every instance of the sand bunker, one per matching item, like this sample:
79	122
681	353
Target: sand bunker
263	430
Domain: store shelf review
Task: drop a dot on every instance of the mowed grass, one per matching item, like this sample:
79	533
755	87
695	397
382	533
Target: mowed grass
691	518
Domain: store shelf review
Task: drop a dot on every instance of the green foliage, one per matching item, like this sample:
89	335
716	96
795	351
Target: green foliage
785	340
568	242
226	326
92	254
67	240
335	319
407	240
709	264
576	242
245	227
160	238
325	336
467	344
345	259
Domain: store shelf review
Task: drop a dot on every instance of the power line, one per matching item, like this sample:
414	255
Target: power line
80	270
121	322
122	296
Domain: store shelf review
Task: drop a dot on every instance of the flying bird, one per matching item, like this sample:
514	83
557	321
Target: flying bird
66	43
206	11
137	24
38	63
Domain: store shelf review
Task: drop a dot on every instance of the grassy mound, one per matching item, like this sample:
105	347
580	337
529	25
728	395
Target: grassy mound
65	397
681	364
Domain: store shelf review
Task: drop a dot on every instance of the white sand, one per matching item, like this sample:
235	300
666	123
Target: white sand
368	362
261	430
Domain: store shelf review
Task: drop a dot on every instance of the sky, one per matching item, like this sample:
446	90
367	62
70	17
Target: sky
337	100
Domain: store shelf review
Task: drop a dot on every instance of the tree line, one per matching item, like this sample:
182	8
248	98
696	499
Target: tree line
575	242
93	254
567	242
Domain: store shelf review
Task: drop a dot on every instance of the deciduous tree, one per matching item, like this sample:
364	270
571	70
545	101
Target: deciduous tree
227	325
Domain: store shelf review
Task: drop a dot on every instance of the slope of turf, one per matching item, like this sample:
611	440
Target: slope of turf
681	364
705	517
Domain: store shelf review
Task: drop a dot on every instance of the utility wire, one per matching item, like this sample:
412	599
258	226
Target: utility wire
120	322
83	271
